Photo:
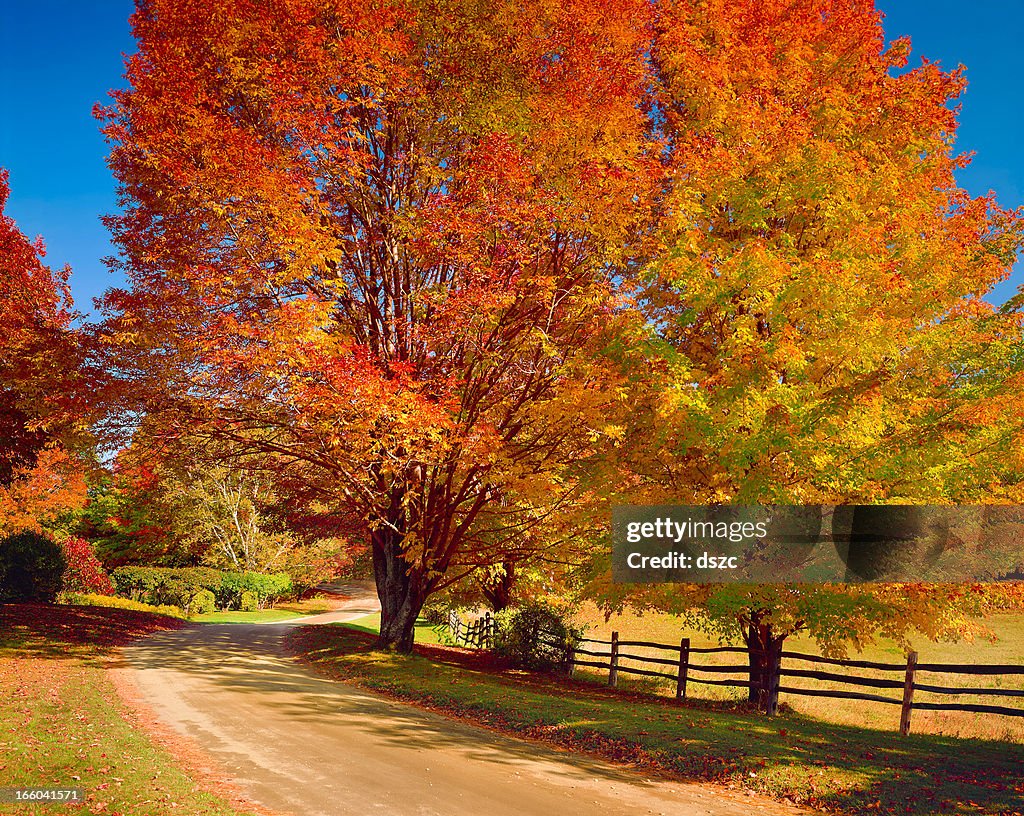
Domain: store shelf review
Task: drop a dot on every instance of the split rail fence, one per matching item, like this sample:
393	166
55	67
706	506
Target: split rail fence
902	679
477	633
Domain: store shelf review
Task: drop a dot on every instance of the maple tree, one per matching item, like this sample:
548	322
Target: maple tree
41	386
374	244
816	330
451	270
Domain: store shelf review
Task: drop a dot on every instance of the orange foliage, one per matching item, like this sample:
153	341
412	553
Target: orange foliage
372	243
39	495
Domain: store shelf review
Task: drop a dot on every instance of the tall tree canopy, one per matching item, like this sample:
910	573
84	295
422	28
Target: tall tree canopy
815	312
818	296
419	255
374	242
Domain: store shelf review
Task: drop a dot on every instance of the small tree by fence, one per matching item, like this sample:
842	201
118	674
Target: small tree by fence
682	670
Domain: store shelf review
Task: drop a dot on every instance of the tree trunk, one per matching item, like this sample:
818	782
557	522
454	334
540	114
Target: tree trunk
401	588
758	665
762	646
498	591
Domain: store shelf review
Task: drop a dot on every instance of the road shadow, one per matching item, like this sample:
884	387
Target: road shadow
249	659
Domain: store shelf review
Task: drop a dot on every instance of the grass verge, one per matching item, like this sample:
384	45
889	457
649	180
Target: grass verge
829	766
426	633
62	723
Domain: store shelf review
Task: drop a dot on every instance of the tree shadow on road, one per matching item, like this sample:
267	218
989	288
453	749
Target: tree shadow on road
231	659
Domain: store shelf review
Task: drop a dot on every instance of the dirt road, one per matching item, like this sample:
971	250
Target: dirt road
297	743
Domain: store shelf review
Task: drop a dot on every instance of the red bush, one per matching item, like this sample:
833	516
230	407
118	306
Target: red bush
84	572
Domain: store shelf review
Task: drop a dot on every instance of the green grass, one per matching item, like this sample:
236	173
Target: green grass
794	756
260	616
425	632
62	723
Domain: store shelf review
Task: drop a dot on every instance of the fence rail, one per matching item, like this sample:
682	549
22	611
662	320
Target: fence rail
677	665
766	680
477	633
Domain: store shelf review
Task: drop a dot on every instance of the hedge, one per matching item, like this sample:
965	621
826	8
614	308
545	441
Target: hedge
192	587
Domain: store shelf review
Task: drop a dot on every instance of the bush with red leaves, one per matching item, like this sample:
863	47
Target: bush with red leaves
84	571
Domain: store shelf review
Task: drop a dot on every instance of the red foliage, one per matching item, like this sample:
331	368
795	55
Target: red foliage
84	572
44	389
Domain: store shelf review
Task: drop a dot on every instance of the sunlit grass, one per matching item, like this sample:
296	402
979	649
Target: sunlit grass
425	632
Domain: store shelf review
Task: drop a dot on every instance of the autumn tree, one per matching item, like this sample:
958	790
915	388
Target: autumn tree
227	509
376	243
41	386
816	324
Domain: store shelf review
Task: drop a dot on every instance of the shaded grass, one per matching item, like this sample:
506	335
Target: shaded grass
792	756
62	723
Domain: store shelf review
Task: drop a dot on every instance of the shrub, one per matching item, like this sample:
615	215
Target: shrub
535	636
84	571
249	601
137	583
266	588
31	568
199	578
113	602
204	601
180	586
167	585
174	591
436	614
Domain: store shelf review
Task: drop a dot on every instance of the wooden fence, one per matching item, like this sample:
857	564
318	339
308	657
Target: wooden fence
901	678
477	633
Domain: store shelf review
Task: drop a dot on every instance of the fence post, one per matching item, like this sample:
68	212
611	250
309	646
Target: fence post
613	666
771	703
908	694
570	658
684	668
488	629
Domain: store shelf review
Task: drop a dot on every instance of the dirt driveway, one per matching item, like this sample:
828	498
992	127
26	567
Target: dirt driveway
298	743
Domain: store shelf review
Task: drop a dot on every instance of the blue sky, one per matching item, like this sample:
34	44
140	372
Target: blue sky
60	57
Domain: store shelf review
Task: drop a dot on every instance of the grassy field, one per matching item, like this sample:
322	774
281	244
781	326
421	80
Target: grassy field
1008	648
62	723
854	770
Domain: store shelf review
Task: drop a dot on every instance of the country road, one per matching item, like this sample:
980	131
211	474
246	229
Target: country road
300	744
